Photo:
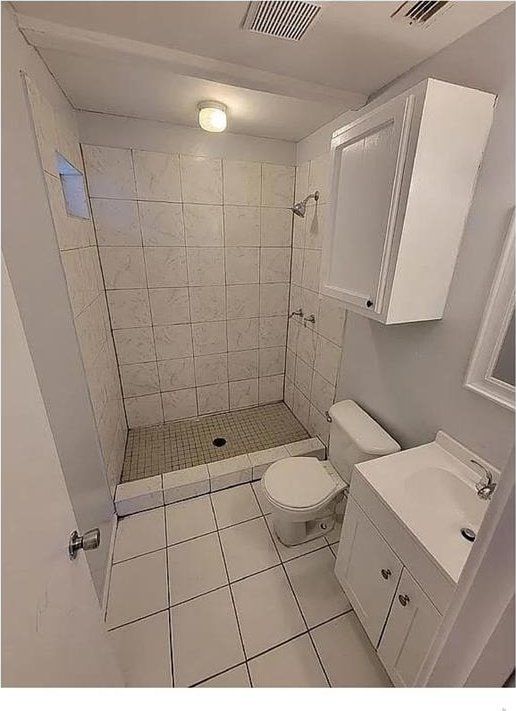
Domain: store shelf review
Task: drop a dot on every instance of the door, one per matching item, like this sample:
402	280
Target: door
367	569
368	158
52	629
410	629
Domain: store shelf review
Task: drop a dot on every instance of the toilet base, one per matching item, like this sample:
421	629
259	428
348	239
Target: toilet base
293	533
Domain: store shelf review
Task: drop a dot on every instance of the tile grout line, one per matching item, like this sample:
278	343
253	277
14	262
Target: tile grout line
137	619
169	616
221	587
229	585
299	607
231	595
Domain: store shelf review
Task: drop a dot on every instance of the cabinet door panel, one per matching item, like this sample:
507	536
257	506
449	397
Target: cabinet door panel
363	555
409	632
368	161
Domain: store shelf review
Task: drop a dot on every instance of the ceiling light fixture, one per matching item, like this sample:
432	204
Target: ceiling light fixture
212	116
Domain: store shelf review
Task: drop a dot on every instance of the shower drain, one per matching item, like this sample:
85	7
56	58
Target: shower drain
219	441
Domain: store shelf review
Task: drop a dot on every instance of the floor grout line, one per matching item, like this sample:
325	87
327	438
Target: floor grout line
137	619
232	598
300	610
169	617
229	584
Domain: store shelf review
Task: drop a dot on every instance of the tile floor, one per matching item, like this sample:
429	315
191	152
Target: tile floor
203	594
188	443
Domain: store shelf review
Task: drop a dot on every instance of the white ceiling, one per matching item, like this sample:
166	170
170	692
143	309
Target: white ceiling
157	60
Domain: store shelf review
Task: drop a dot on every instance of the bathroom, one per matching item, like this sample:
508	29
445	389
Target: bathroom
249	281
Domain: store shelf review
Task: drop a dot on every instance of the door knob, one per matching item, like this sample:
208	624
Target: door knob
90	540
404	600
386	573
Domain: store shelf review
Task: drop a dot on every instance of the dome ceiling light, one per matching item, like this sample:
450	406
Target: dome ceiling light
212	116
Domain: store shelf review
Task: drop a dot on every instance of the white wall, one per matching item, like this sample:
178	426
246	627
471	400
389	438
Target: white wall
31	253
121	132
410	377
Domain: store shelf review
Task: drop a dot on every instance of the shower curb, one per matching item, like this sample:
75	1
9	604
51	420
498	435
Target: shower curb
181	484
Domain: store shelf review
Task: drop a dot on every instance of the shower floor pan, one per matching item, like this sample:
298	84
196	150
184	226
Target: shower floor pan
178	460
188	443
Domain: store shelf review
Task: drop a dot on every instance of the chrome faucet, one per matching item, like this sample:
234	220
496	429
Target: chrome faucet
484	488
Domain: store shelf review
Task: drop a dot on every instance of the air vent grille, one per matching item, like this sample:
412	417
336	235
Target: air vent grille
419	14
286	19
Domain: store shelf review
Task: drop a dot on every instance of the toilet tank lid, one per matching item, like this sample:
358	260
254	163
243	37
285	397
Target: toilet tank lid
365	432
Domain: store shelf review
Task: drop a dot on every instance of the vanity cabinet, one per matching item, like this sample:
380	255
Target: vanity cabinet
397	615
368	570
402	181
409	631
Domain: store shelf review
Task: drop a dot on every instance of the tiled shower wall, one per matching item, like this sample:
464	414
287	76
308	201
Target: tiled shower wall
56	131
313	349
196	255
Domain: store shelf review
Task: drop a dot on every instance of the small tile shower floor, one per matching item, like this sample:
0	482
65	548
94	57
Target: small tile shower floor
187	443
203	594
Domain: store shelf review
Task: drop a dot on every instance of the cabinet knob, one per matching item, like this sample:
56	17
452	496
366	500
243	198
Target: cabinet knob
369	303
386	573
404	600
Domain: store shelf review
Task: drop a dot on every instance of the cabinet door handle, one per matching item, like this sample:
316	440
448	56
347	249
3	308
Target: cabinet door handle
386	573
404	600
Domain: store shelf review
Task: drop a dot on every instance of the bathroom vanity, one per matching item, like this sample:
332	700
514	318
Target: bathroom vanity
404	543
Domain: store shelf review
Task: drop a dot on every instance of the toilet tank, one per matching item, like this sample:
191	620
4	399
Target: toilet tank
355	437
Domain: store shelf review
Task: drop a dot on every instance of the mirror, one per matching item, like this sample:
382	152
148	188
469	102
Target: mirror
491	369
504	367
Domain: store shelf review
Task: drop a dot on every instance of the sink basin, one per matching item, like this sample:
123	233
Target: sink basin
431	490
452	502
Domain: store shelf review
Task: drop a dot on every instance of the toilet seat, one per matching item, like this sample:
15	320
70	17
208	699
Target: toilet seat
298	483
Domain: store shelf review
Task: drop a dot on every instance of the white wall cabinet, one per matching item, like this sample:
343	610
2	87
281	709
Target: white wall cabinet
403	176
397	615
409	631
368	570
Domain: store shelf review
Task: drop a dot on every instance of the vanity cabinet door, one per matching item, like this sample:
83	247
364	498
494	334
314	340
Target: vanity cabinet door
410	629
367	569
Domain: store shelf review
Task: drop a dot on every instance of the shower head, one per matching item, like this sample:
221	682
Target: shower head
299	208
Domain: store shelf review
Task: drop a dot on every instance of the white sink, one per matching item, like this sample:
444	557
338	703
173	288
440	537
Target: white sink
431	490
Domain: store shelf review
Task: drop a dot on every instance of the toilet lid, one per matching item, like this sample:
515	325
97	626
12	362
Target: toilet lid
298	482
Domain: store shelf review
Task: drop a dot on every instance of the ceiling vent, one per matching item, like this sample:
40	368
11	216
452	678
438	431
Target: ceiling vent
286	19
420	14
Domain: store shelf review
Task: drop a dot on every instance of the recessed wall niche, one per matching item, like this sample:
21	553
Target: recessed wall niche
74	189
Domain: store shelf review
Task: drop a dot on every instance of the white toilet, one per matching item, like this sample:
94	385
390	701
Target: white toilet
305	493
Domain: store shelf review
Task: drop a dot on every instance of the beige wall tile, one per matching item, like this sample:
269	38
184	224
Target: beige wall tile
144	410
129	308
242	182
161	224
116	222
109	172
176	374
169	305
157	176
201	179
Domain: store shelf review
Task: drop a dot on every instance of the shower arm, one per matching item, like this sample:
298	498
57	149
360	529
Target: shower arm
299	208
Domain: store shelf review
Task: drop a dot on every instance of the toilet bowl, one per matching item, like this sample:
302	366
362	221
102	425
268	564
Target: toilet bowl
307	495
302	493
